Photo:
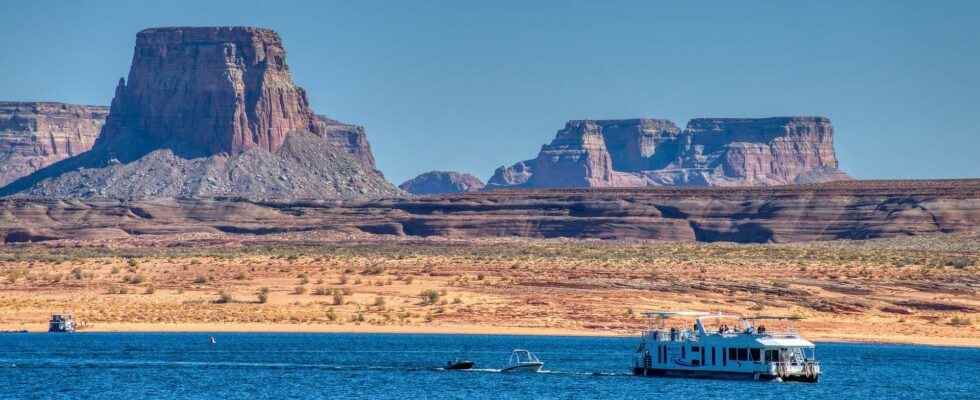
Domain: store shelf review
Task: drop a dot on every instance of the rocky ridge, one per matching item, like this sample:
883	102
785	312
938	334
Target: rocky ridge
34	135
837	210
201	109
655	152
440	182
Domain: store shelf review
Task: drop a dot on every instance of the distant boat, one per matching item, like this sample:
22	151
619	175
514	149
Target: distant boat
61	323
212	340
522	361
458	364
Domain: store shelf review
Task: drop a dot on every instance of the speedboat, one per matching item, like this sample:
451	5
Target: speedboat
458	364
522	361
741	351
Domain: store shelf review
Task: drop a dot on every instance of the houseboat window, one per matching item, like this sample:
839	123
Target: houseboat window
702	357
732	353
683	352
755	355
695	348
724	357
713	362
743	354
772	355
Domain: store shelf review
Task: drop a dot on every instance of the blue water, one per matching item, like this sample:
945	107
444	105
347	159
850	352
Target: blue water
293	366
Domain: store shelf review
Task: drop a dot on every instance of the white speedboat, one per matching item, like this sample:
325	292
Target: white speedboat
522	361
742	351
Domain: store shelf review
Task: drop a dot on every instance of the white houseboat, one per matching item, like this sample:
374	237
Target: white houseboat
742	351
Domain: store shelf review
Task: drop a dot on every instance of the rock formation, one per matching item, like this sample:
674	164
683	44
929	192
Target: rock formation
709	152
828	211
34	135
209	91
439	182
350	138
213	112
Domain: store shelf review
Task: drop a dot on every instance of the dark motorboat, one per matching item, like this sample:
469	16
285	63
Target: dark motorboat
459	364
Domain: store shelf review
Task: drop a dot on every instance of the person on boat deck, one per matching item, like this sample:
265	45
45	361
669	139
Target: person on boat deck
762	329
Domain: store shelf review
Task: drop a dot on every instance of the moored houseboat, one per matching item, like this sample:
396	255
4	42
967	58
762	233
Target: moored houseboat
743	351
61	323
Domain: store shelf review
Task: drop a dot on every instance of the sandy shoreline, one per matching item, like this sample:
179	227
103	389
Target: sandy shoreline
463	329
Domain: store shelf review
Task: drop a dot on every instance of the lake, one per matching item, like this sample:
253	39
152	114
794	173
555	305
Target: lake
394	366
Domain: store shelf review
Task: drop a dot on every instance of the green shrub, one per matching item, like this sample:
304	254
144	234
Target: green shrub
429	296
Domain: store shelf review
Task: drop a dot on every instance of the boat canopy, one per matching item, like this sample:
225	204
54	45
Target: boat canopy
770	341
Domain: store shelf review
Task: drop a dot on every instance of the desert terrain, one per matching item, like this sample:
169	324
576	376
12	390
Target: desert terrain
920	289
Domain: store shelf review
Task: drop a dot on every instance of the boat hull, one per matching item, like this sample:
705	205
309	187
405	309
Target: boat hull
460	366
745	376
529	367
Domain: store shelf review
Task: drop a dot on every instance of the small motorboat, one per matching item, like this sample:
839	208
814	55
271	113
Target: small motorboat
458	364
522	361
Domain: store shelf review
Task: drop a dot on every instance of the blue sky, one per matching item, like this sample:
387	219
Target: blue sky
470	86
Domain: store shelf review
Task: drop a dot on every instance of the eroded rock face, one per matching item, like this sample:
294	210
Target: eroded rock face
209	90
709	152
829	211
439	182
350	138
213	112
34	135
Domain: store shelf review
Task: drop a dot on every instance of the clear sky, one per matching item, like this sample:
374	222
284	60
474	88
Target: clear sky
472	85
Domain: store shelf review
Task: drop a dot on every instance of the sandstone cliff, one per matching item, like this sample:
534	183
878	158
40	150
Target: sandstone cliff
202	109
709	152
205	91
439	182
34	135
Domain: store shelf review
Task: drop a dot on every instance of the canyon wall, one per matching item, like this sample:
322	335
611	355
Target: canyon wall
838	210
34	135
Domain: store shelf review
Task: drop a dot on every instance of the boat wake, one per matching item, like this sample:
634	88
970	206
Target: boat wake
61	363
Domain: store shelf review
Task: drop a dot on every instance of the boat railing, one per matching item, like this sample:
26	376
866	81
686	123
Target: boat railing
784	334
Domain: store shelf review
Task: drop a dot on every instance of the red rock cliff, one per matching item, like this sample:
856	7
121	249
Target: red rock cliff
210	90
34	135
652	152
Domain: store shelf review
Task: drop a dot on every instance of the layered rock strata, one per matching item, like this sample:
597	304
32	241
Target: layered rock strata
838	210
654	152
34	135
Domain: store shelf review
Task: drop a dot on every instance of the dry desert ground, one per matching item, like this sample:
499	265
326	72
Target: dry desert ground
908	290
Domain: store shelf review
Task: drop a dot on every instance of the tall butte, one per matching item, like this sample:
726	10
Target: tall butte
210	90
213	111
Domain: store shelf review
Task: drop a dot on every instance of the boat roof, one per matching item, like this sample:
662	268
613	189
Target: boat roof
771	341
695	314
